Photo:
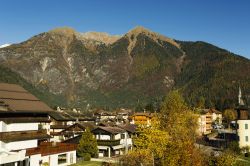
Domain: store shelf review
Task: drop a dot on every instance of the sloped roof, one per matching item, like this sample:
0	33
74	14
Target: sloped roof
129	127
61	116
18	99
90	125
112	130
68	116
211	110
143	114
74	140
74	126
9	120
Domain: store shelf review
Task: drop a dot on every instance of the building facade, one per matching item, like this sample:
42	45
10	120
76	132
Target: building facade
24	131
112	141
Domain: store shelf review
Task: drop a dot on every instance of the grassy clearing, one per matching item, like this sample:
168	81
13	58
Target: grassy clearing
88	163
243	161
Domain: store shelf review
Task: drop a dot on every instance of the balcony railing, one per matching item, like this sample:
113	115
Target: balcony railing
58	126
51	148
23	135
108	142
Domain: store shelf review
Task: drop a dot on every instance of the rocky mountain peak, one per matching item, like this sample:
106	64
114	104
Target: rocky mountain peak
66	31
132	37
140	66
4	45
139	29
100	36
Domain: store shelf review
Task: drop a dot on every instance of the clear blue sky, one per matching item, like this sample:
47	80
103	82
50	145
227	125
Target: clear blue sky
225	23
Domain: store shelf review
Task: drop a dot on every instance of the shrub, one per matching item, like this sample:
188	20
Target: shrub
86	157
87	144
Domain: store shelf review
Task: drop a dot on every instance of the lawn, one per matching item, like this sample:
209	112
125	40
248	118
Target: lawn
88	163
243	161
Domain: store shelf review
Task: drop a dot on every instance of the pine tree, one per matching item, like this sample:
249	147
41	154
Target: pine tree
87	144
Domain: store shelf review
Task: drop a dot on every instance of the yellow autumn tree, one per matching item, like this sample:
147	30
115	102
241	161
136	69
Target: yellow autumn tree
152	139
170	139
179	121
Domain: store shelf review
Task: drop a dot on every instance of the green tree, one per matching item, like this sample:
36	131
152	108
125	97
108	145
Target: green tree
201	102
87	144
229	116
234	147
227	158
150	107
139	108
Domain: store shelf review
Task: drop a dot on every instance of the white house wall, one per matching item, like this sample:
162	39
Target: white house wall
12	157
20	145
3	126
128	140
2	144
22	126
243	133
35	159
53	159
118	136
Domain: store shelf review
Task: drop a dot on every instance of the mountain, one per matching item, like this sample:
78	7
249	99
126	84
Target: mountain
4	45
137	68
8	76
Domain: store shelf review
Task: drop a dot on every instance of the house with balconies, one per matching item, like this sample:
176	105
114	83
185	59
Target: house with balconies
62	121
142	118
112	141
24	131
207	117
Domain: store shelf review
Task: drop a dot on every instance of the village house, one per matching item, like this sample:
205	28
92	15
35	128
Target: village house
24	128
243	126
243	123
112	141
141	118
72	131
59	122
206	118
122	115
62	121
102	115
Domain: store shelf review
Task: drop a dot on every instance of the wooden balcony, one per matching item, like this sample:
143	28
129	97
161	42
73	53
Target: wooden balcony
48	148
58	126
108	142
13	136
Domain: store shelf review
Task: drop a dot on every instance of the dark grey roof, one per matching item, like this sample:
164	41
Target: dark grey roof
129	127
60	116
112	130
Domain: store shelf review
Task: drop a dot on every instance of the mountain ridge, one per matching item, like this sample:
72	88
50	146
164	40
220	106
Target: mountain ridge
137	68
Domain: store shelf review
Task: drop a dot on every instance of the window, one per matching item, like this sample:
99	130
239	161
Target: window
122	136
246	138
62	159
246	126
